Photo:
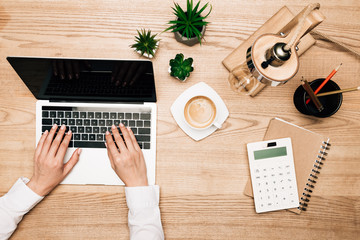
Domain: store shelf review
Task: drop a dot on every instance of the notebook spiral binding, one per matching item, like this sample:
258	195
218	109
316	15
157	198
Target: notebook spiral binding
306	195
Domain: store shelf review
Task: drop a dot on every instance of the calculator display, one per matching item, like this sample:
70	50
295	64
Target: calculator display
270	153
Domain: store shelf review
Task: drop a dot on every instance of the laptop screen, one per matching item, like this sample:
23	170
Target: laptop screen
87	79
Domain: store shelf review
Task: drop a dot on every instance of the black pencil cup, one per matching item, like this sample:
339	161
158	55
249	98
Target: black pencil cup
331	103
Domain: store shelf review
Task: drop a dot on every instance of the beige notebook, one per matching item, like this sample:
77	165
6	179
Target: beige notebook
309	150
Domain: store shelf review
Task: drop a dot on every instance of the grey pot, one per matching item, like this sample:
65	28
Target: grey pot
191	41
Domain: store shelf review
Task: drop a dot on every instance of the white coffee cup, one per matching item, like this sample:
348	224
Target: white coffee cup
200	113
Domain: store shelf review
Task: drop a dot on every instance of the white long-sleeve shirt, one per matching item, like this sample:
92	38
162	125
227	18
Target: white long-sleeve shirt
143	202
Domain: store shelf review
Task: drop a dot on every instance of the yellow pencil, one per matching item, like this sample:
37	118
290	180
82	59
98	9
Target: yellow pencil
338	91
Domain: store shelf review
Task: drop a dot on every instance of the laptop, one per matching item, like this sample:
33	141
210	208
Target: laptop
89	96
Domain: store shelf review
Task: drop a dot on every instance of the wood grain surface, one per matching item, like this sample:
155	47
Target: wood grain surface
202	182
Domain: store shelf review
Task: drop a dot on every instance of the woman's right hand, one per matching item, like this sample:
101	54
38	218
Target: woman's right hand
126	157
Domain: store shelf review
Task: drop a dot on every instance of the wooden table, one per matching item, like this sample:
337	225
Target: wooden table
202	182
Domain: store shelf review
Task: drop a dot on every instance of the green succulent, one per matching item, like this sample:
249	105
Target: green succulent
145	43
181	68
189	23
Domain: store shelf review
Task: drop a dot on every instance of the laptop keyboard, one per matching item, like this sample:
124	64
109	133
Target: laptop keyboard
89	125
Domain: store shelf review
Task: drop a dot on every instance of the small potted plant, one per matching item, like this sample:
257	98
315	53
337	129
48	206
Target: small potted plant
181	68
189	26
146	44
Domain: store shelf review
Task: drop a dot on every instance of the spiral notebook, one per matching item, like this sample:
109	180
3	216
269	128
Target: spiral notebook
309	151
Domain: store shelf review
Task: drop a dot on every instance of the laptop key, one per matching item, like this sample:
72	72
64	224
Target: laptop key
57	121
112	115
71	121
94	122
145	116
53	114
73	129
146	145
109	122
45	114
121	116
91	115
101	122
144	131
79	122
106	115
47	121
136	116
76	114
84	137
44	128
142	138
68	114
132	123
139	123
76	137
60	114
81	129
63	121
92	137
116	122
82	114
125	122
128	116
147	123
97	114
100	137
103	129
134	130
96	129
93	144
88	129
86	122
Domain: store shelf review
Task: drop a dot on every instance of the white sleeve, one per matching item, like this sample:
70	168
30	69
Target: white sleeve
14	205
144	213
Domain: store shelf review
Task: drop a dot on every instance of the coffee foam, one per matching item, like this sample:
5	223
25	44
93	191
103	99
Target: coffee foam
200	112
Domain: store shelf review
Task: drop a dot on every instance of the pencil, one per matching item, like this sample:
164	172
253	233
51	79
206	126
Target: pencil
337	91
313	97
325	81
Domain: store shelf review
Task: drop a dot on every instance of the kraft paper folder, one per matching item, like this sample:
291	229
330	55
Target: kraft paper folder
309	150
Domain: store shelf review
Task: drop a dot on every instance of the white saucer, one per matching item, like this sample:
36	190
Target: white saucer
177	110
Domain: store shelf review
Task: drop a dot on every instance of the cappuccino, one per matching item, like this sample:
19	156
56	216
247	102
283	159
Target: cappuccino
200	112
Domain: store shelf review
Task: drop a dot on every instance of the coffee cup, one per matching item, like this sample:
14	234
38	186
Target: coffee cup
200	113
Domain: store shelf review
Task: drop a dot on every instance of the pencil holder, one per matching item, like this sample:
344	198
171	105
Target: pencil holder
331	103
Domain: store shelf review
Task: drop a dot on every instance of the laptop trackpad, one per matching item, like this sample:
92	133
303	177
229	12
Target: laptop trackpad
93	168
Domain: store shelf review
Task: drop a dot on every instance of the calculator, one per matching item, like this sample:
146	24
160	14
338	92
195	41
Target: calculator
273	175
